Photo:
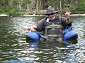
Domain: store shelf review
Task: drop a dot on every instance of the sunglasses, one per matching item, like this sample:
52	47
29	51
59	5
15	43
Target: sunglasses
51	14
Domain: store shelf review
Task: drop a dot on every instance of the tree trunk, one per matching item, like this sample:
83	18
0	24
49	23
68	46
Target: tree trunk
44	4
37	5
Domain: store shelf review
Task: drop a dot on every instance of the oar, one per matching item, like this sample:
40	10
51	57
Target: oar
44	37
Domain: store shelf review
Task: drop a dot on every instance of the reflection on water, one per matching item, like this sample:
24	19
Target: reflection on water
15	49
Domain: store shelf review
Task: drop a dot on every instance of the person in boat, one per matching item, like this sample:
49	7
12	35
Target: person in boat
52	25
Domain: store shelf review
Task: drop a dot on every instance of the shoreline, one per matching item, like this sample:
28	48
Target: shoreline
77	15
5	15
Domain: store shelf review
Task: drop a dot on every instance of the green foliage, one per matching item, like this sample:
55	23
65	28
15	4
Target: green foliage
79	8
63	11
14	12
30	12
1	11
41	12
27	1
14	7
52	2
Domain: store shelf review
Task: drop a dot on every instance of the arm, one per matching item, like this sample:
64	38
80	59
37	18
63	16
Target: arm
30	28
65	22
68	21
37	27
41	25
67	15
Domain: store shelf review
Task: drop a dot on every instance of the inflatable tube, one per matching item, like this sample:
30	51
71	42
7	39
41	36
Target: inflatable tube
33	36
71	35
68	34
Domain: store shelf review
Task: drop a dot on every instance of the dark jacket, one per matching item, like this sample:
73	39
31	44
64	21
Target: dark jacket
61	20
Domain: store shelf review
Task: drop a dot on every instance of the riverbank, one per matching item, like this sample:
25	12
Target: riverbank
77	15
4	15
70	15
43	15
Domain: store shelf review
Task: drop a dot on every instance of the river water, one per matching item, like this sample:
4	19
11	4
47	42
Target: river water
15	49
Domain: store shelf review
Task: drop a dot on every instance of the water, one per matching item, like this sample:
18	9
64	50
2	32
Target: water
15	49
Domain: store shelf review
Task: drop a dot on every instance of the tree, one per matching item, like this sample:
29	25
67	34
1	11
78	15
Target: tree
7	5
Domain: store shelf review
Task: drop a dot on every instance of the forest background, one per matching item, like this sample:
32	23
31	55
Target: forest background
38	7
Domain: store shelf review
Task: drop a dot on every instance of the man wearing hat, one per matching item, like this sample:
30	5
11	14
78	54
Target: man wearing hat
52	25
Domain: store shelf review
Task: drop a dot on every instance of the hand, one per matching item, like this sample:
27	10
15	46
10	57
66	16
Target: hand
67	14
31	28
26	28
34	26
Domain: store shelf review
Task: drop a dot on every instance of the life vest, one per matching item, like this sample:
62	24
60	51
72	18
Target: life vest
53	31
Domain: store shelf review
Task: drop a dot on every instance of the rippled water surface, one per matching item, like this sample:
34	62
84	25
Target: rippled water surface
15	49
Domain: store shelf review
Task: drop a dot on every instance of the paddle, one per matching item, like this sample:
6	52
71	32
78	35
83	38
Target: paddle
44	37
